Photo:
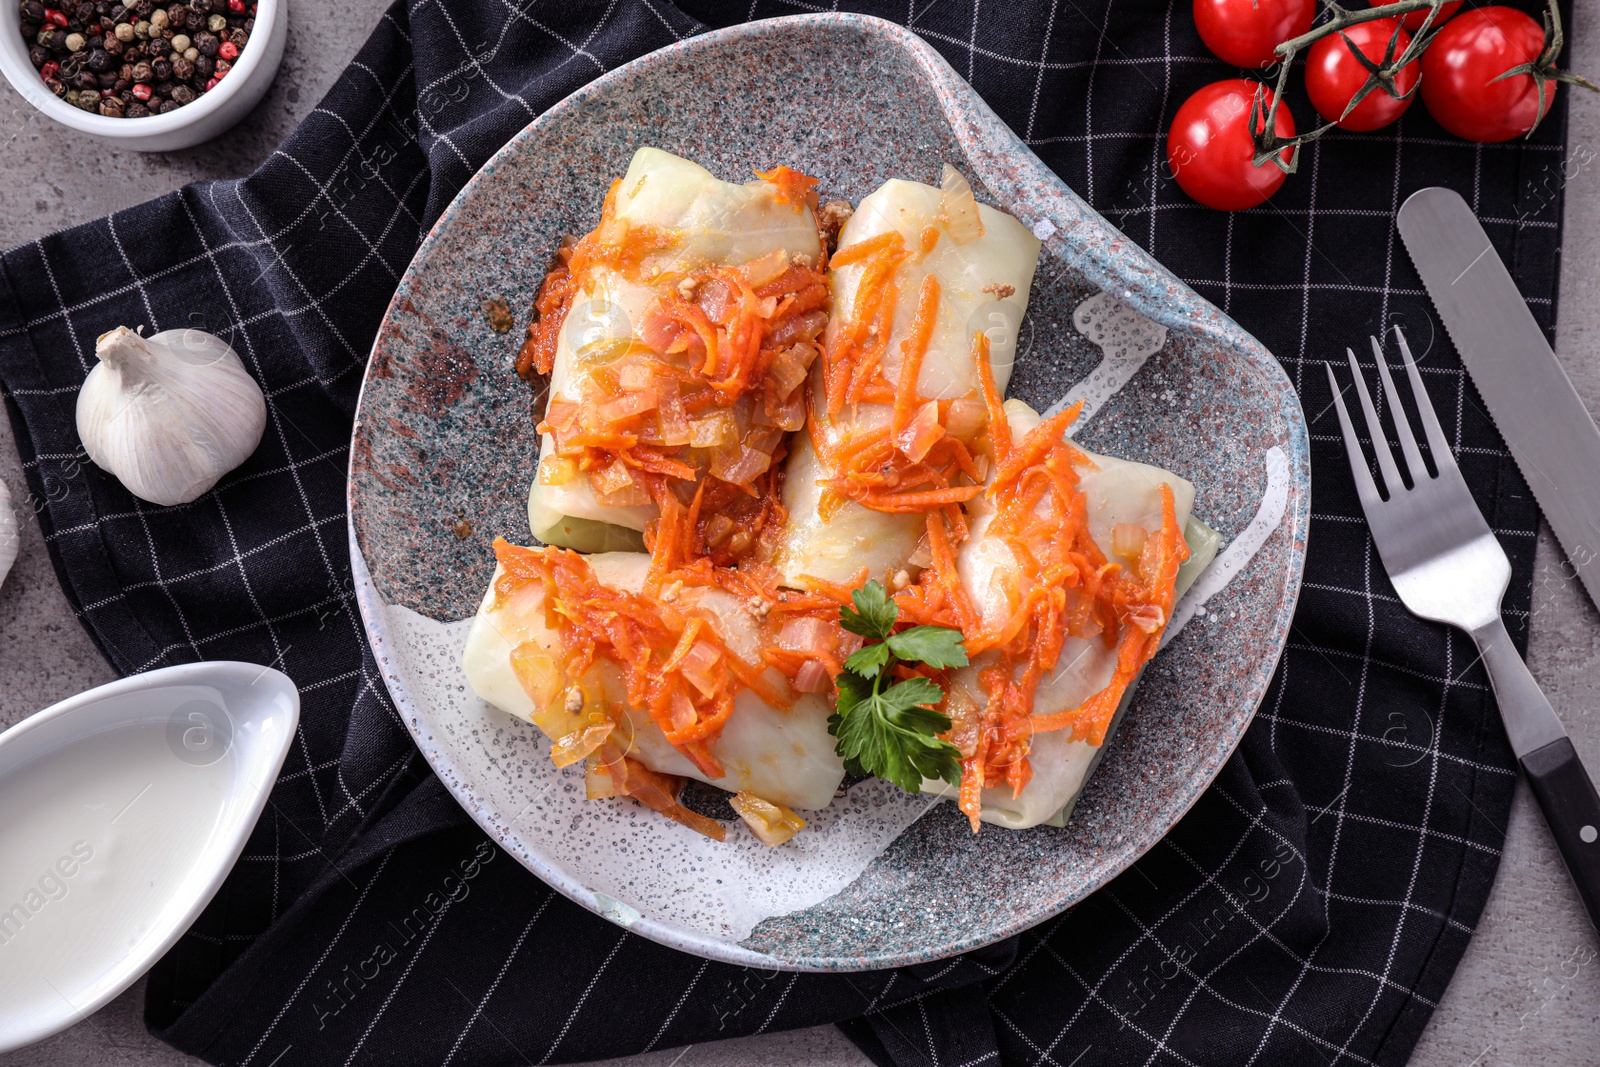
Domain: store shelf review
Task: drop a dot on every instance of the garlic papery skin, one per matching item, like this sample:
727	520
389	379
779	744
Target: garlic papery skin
10	533
170	414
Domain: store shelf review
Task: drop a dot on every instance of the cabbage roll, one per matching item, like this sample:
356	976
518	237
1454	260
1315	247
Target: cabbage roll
978	262
1117	493
667	227
785	756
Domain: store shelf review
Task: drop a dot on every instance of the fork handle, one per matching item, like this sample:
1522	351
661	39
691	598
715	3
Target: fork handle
1561	784
1567	796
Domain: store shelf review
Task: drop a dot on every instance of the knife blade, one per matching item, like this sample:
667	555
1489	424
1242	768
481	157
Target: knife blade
1550	432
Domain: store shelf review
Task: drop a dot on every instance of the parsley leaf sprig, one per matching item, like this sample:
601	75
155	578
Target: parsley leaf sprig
892	730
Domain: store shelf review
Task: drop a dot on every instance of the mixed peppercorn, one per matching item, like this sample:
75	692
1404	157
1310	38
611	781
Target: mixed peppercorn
132	60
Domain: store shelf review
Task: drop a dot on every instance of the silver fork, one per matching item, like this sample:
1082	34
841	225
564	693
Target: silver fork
1447	566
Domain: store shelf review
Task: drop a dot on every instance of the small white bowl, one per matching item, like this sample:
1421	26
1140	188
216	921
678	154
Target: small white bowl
121	811
208	116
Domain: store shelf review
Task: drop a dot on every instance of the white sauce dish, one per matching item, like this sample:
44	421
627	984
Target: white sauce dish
121	811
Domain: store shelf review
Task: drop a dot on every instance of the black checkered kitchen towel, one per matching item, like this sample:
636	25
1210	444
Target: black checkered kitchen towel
1310	909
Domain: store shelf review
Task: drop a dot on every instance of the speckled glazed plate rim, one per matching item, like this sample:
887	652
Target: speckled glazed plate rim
1105	257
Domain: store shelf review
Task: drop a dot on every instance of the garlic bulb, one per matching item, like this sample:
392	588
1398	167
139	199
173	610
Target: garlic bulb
169	414
10	533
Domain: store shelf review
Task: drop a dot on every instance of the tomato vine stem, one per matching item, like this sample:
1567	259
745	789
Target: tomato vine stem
1380	74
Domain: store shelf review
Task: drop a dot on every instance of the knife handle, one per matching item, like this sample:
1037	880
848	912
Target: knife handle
1571	806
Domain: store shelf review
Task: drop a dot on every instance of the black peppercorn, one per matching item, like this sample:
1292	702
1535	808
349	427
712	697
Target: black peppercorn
112	52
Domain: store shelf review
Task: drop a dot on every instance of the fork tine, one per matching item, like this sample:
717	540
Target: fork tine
1442	457
1380	442
1402	421
1352	446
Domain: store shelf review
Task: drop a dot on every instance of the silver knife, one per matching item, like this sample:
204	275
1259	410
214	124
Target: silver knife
1550	433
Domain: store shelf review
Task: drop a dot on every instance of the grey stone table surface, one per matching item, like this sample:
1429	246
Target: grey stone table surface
1528	991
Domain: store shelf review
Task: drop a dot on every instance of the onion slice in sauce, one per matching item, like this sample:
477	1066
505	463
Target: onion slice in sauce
813	677
959	206
773	824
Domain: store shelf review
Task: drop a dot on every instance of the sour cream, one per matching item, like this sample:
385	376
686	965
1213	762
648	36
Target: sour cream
121	811
96	843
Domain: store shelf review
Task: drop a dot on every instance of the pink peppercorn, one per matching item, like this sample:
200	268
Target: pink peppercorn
236	6
210	85
229	50
55	18
50	70
142	91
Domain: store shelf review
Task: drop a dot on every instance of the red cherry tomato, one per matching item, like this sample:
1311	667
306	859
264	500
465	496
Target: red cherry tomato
1245	32
1414	19
1333	76
1210	151
1459	68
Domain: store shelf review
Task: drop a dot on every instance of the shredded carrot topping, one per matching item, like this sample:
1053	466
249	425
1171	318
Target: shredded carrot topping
612	244
538	353
1071	589
697	403
917	463
793	187
691	414
673	662
1064	586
